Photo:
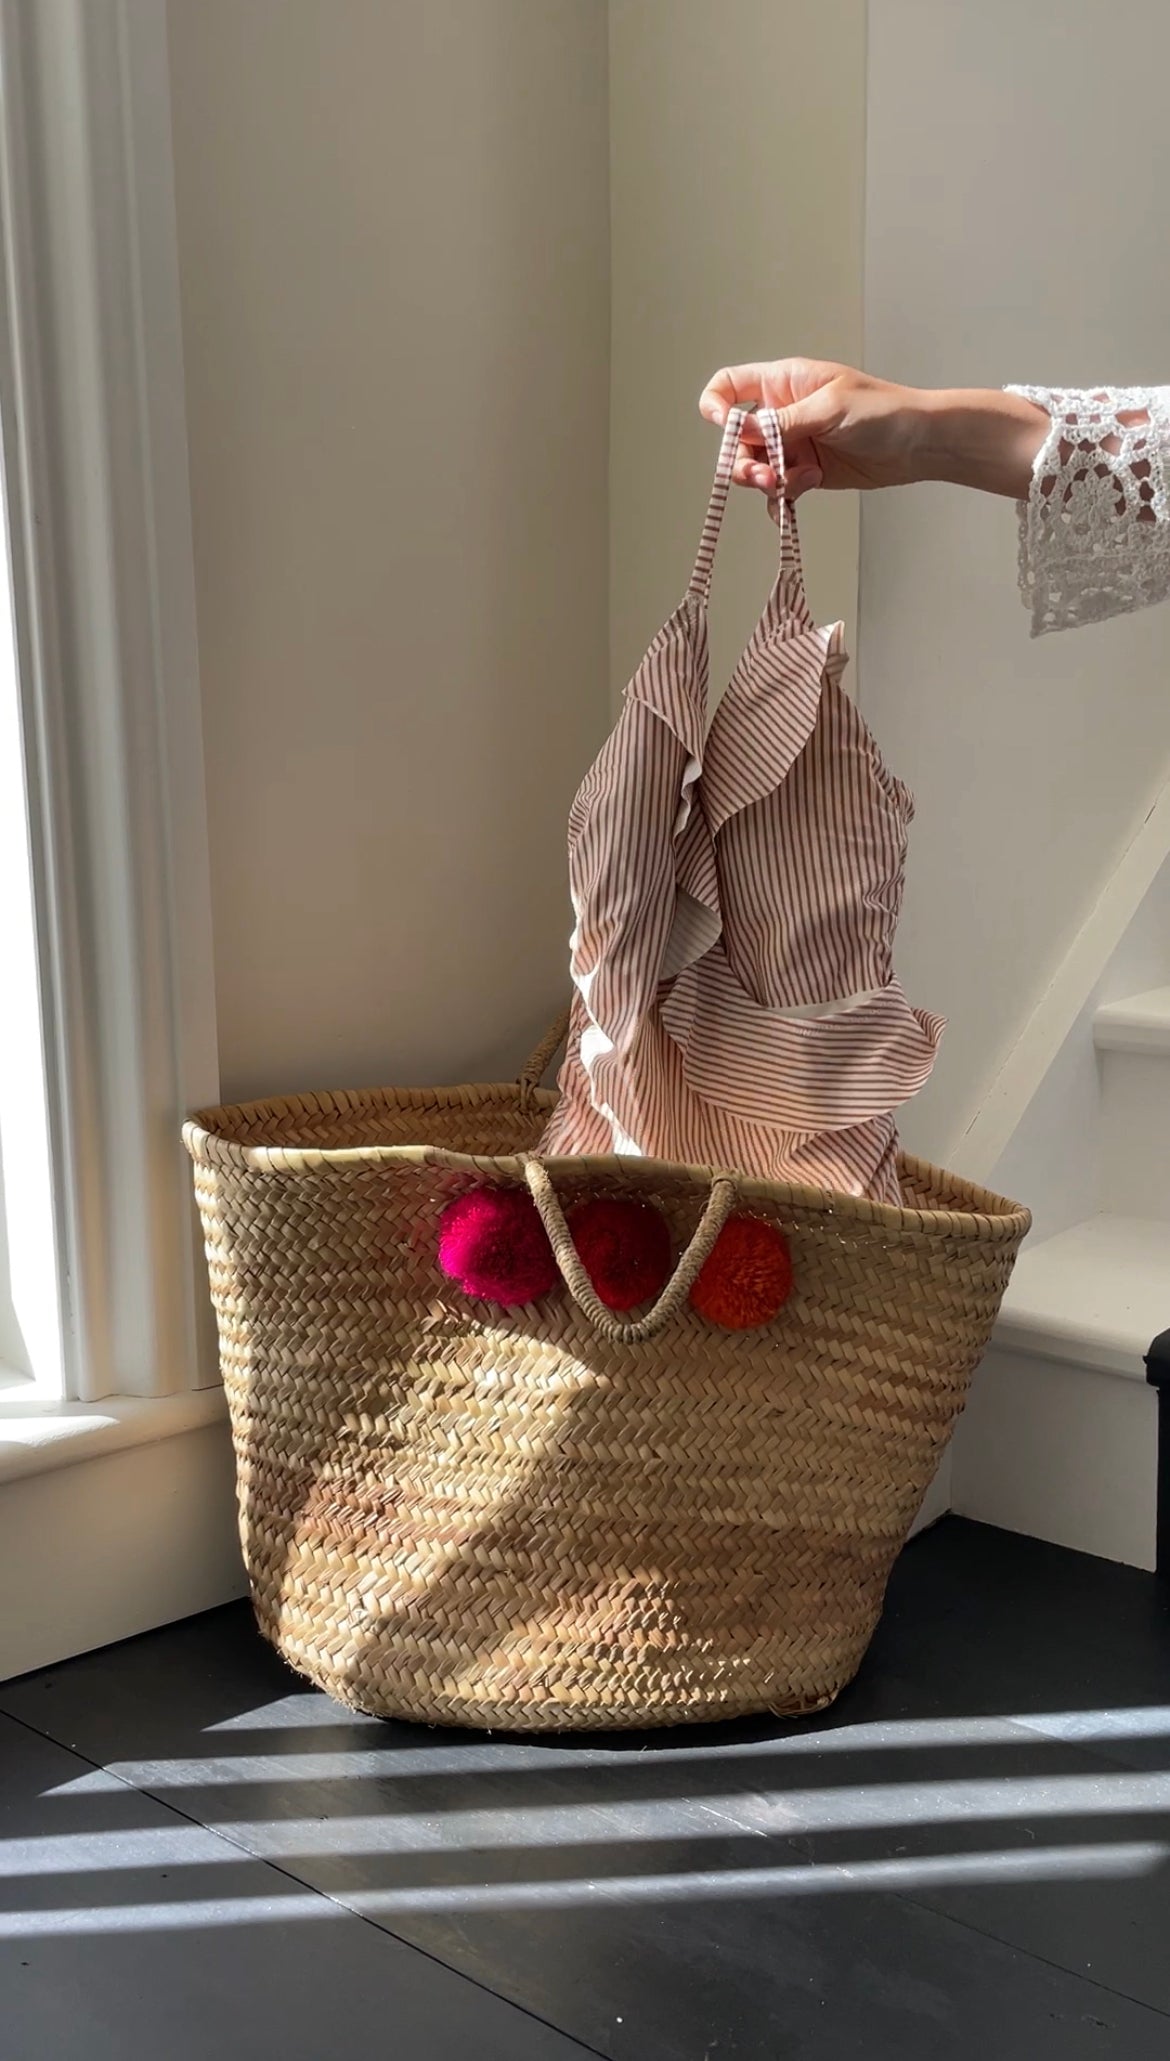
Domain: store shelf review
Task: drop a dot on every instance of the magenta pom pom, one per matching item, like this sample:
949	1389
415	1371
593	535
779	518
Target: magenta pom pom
624	1248
494	1246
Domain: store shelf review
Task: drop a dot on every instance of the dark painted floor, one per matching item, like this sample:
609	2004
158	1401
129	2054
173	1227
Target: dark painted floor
967	1860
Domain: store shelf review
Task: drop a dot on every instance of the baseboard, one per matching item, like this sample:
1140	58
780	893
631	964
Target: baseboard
1060	1453
116	1544
937	1500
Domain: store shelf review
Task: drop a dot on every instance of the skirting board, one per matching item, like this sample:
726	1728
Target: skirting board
937	1500
115	1545
1060	1453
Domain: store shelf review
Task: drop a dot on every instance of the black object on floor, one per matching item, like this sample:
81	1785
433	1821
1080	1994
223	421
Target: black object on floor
1158	1376
966	1857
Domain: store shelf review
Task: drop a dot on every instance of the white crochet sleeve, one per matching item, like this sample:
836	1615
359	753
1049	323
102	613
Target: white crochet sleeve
1095	529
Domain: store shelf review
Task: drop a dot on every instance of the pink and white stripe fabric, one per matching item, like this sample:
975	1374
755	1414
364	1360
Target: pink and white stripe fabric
737	886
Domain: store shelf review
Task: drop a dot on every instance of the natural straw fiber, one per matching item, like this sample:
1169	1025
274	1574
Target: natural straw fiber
550	1518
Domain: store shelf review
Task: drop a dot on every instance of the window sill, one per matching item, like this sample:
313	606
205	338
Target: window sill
36	1436
119	1515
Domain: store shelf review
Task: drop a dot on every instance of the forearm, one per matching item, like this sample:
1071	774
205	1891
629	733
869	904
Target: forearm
1089	467
977	437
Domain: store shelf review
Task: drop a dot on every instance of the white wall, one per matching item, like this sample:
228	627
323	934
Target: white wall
393	228
1018	166
737	167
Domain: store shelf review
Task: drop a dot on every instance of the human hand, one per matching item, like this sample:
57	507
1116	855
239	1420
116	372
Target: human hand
843	428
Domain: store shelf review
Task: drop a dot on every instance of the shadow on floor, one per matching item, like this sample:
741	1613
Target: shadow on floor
968	1853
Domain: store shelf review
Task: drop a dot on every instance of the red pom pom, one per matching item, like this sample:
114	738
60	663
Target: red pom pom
493	1244
624	1248
746	1278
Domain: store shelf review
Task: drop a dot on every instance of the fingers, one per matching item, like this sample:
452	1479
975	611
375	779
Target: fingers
809	416
801	473
736	386
746	386
751	470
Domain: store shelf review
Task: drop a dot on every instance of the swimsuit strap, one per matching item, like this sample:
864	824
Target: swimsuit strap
700	586
789	591
790	564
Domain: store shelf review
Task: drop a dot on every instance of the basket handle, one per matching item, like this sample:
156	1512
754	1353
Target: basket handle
720	1203
536	1065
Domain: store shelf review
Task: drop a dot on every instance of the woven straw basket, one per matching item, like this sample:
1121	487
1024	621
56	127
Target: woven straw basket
548	1518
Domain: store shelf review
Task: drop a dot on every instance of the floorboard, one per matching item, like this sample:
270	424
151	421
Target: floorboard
967	1856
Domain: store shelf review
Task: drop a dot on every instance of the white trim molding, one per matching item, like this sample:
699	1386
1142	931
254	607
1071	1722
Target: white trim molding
34	1439
136	1535
116	1478
91	394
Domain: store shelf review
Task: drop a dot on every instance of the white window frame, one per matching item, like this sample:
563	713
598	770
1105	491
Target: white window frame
103	608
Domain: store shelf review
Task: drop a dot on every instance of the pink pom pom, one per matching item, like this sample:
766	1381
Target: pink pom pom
494	1246
624	1248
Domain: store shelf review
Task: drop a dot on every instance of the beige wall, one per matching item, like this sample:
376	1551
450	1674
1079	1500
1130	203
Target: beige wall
395	253
737	165
393	227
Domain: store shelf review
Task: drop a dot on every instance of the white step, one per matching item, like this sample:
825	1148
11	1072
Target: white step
1141	1023
1095	1296
1058	1452
1060	1438
1133	1039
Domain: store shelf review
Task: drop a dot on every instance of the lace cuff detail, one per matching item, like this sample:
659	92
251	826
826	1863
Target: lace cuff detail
1095	529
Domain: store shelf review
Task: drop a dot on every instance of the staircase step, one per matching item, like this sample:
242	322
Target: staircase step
1060	1452
1140	1023
1095	1296
1053	1443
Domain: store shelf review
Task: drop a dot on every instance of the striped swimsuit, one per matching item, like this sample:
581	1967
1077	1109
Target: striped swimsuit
737	886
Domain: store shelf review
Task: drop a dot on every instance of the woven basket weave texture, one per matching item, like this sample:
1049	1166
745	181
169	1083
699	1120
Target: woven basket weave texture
504	1518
